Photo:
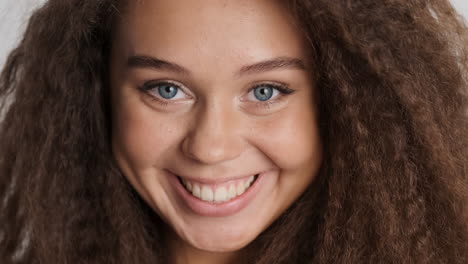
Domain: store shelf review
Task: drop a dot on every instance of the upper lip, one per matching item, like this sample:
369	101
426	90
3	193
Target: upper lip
211	180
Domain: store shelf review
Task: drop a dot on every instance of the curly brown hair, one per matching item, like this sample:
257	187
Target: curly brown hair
392	77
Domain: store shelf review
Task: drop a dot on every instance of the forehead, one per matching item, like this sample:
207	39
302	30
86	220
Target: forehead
253	29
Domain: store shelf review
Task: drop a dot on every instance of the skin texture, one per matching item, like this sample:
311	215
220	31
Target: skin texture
215	128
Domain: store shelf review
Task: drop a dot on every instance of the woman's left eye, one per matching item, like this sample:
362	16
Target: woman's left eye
265	92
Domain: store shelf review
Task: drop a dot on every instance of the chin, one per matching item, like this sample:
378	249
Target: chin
220	243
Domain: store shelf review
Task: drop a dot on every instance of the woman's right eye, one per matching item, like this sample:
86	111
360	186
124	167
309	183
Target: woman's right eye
165	90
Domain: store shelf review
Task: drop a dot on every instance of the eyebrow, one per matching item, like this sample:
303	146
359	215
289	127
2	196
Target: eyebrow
142	61
273	64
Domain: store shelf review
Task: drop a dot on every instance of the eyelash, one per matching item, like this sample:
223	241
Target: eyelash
283	89
149	85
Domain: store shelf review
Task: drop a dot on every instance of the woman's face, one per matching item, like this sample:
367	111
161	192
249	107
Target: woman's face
214	121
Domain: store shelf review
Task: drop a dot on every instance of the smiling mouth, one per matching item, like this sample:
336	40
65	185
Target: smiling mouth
218	193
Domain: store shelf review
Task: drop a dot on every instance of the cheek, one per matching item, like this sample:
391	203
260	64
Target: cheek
141	135
291	140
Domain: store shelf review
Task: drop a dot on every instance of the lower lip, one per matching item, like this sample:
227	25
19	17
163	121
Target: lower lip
230	207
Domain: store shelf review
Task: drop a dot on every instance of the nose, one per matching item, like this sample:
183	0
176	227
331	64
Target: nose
214	136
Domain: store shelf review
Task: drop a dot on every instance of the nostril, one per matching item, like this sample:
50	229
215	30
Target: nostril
207	147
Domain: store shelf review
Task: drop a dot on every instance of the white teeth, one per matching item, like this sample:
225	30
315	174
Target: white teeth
188	185
206	194
196	191
232	192
240	188
251	179
219	194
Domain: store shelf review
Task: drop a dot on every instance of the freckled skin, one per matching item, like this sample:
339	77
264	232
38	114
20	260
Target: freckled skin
213	131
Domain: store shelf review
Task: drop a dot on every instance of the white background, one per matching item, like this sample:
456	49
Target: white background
14	15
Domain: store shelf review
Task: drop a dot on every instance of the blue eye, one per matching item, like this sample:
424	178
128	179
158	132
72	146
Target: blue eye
167	90
263	92
164	90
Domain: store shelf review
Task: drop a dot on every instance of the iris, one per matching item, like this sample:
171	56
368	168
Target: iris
263	93
167	91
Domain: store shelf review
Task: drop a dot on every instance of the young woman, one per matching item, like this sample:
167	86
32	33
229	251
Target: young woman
263	131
